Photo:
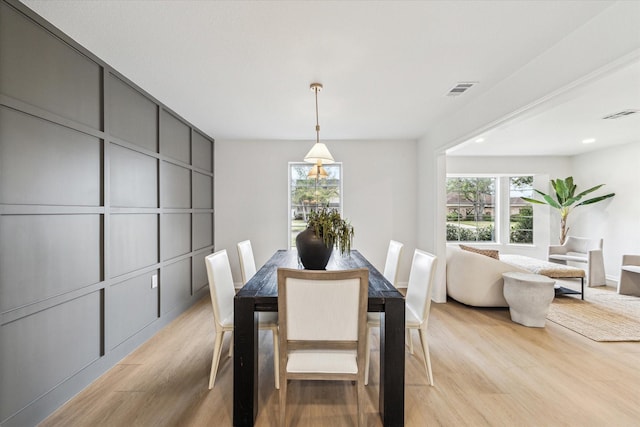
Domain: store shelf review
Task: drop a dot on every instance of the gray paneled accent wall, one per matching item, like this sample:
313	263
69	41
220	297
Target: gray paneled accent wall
104	192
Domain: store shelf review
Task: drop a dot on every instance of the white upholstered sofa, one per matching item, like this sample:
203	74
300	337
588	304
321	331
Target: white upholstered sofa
476	279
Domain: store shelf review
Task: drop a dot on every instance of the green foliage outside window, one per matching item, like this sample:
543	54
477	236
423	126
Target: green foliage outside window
522	226
521	223
461	234
470	201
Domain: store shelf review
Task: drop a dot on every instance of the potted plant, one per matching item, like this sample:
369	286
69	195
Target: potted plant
325	229
566	200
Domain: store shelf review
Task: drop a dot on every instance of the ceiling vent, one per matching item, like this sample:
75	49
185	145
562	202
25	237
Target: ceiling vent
460	88
620	114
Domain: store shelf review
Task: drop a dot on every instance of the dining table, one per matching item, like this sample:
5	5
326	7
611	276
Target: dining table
260	294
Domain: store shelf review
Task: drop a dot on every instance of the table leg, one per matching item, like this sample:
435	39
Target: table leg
245	362
392	362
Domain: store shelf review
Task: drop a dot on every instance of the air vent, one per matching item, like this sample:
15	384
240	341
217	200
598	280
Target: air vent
460	88
620	114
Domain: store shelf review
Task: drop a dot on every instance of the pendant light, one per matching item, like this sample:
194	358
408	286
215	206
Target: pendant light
319	153
317	172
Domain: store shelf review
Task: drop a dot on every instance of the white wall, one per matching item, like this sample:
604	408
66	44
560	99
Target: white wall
616	220
531	165
431	231
379	196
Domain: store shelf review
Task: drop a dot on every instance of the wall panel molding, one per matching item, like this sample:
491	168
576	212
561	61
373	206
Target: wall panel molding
101	188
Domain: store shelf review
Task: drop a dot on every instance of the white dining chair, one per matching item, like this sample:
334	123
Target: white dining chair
247	262
390	271
323	317
417	306
222	294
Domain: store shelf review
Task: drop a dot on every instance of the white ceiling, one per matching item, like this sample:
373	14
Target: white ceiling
241	70
559	126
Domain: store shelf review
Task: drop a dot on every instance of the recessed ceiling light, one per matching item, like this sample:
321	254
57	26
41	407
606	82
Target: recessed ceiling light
589	141
479	140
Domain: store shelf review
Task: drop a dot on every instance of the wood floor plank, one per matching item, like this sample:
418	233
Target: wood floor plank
488	371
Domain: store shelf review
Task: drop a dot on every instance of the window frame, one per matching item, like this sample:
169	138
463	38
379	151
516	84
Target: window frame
496	205
502	205
508	210
290	166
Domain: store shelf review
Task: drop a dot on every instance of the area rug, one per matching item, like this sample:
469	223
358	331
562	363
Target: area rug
602	316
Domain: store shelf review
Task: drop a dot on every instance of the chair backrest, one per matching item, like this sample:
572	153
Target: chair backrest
393	259
247	263
325	306
421	277
582	244
220	286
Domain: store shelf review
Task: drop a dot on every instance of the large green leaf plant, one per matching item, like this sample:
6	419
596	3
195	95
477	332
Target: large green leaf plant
566	200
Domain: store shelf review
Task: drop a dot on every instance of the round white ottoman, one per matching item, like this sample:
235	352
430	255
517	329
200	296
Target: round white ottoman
529	297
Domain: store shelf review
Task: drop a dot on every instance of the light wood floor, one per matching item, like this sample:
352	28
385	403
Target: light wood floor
488	371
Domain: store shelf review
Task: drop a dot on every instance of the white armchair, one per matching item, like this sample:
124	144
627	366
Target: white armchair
629	283
582	250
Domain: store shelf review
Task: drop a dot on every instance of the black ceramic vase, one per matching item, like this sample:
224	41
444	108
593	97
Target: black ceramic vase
313	253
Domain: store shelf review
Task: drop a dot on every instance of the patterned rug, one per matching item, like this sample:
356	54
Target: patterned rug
602	316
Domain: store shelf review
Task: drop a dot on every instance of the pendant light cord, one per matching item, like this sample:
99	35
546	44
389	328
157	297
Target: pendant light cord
315	89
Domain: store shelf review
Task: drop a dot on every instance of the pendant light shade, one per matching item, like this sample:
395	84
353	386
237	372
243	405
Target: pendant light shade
319	153
317	172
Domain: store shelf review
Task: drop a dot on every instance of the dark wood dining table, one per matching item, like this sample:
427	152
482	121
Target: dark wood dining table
260	293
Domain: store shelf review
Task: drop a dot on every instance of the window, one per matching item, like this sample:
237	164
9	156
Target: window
471	209
308	194
490	209
520	212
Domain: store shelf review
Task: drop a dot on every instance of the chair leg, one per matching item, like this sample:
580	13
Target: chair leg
276	357
367	358
410	340
361	393
427	357
231	346
283	403
217	346
596	269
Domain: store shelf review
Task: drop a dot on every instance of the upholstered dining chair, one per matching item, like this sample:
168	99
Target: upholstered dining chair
390	271
247	263
323	318
222	293
418	304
